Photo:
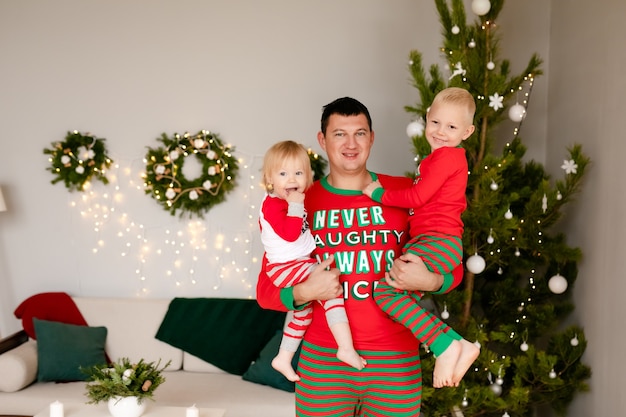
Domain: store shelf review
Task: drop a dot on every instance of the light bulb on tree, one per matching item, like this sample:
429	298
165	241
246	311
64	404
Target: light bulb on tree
481	7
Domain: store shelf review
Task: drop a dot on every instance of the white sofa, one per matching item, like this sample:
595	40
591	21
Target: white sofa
132	325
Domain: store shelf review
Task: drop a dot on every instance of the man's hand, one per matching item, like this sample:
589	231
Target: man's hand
322	284
409	273
369	189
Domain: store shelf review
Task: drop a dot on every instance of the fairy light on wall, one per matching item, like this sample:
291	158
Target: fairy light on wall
209	252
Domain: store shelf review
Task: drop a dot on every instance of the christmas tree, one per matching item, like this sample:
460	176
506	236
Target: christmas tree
519	271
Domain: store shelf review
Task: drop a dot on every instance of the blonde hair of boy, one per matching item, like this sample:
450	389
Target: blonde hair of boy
458	96
280	151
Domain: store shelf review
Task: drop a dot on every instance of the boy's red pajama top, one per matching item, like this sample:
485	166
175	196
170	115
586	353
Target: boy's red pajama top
364	237
438	195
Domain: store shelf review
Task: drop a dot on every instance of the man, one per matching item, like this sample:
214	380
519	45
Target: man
363	239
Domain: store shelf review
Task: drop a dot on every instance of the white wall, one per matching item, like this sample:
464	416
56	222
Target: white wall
255	72
586	96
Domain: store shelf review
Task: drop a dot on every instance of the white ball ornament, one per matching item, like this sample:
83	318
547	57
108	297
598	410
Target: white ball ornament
490	239
493	185
455	30
80	170
490	65
445	314
193	195
508	215
65	159
499	381
517	113
472	44
552	374
475	264
524	347
415	128
557	284
170	194
574	341
496	389
481	7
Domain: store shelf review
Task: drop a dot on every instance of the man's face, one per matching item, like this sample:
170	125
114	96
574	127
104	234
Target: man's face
347	142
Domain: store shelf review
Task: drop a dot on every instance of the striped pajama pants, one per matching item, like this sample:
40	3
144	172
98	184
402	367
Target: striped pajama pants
389	386
441	254
288	274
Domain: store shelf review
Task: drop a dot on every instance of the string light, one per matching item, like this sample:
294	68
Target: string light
208	252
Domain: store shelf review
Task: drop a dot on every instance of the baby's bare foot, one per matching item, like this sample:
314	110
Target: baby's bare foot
469	353
285	368
351	357
445	365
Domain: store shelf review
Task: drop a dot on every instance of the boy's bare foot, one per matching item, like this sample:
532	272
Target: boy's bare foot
285	368
469	353
351	357
445	365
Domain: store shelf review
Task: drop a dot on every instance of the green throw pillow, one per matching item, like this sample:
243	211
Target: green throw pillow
62	349
261	370
227	332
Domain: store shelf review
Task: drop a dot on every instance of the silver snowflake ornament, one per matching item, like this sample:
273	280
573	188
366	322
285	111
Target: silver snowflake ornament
570	166
495	101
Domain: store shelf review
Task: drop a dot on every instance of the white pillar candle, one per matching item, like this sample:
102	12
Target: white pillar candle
191	411
56	409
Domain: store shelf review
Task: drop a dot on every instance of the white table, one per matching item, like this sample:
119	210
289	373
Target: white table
152	410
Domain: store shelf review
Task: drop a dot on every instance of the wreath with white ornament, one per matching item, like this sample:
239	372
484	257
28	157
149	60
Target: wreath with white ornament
78	159
165	180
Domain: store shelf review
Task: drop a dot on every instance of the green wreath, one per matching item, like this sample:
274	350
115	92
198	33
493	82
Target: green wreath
78	159
167	184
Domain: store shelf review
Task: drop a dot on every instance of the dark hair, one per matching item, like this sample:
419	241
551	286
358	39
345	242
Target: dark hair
345	106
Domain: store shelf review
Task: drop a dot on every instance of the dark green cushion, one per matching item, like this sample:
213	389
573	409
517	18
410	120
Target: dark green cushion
261	370
62	349
227	332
